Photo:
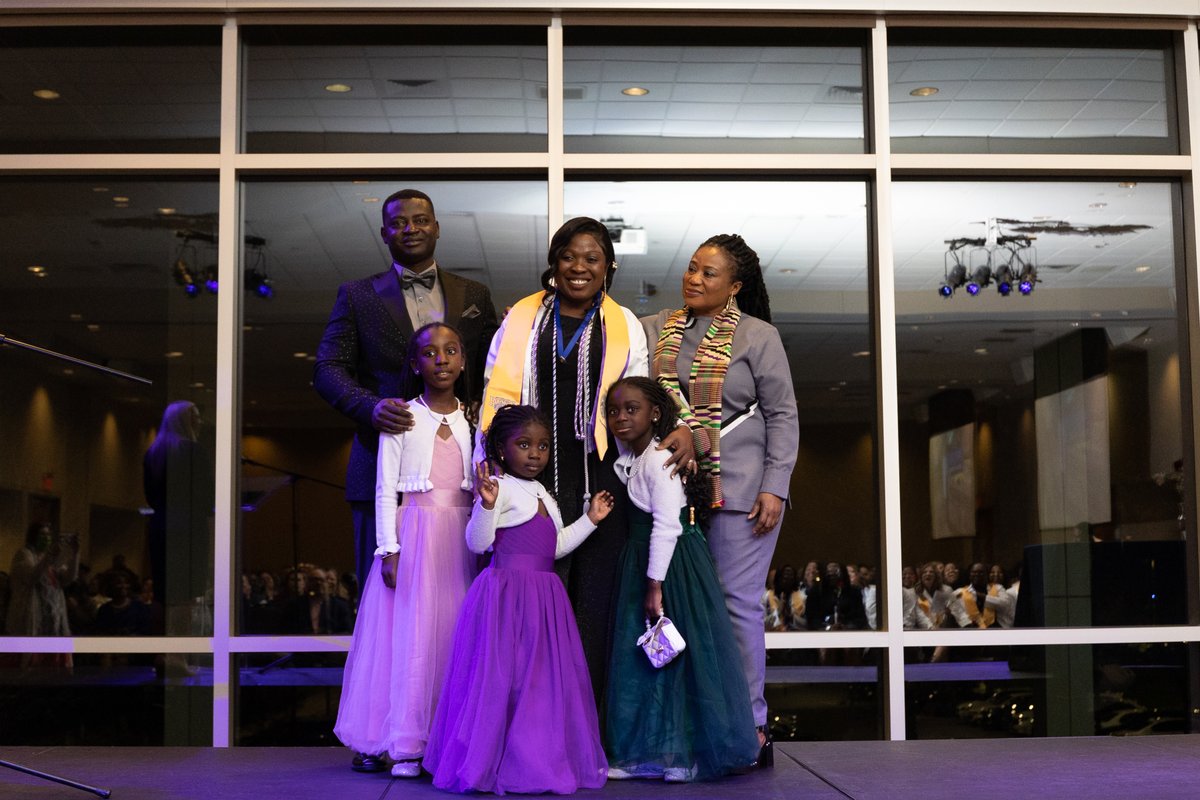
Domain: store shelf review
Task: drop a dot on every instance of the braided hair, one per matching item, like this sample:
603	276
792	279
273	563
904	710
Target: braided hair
563	236
411	382
697	489
506	423
752	297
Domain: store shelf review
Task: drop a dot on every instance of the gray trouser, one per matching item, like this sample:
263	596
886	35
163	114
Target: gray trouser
742	561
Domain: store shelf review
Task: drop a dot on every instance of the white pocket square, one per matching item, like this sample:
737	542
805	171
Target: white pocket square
471	312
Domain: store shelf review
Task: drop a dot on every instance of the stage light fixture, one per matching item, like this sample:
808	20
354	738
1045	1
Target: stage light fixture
210	280
259	283
185	278
956	276
980	279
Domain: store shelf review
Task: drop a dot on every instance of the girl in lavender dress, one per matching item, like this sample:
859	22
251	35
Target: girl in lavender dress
422	568
517	711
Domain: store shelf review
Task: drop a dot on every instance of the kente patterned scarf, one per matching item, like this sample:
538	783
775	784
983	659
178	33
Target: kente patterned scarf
706	378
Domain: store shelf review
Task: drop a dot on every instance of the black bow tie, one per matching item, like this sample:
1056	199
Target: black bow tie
411	279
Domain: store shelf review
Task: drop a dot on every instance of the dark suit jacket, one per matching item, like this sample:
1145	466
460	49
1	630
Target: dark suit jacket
361	357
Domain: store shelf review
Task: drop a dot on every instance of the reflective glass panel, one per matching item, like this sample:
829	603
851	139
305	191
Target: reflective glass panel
688	90
107	403
1041	432
1035	92
811	242
106	700
411	89
303	240
110	90
1078	690
828	695
288	699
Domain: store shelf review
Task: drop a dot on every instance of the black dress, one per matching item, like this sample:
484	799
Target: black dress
590	573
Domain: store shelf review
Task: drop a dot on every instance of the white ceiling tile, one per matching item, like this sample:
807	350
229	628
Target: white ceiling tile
1114	109
1093	127
715	73
1029	129
491	125
1109	65
702	129
486	88
628	127
825	113
306	124
927	109
767	112
708	93
488	108
418	108
782	94
701	111
477	67
342	107
1067	89
639	110
961	127
1046	110
1144	91
345	124
993	90
409	124
636	73
763	129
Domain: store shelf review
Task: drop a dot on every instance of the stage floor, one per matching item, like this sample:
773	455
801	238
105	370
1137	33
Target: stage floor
1121	768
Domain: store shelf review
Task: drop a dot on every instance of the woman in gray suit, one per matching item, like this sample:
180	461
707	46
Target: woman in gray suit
724	362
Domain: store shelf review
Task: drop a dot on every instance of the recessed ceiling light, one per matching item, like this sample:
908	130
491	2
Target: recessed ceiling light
46	94
788	271
93	327
635	91
1097	205
173	354
360	183
99	188
36	269
1074	324
835	388
299	355
338	88
861	353
166	212
1142	268
120	198
1096	315
77	318
924	91
370	199
120	205
197	385
1127	184
981	351
68	371
311	358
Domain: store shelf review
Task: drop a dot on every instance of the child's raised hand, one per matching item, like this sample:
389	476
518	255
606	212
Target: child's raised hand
486	486
602	505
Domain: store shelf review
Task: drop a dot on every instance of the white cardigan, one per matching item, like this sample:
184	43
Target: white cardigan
516	503
405	461
653	489
638	364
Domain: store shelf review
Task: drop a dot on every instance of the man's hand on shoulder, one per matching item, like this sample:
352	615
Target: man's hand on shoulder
391	415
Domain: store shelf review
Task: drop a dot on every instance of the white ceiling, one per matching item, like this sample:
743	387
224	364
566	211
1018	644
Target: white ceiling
130	92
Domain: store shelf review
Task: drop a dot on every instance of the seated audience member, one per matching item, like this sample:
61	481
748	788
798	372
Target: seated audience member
952	576
316	611
784	602
982	605
838	605
124	614
810	582
908	577
866	584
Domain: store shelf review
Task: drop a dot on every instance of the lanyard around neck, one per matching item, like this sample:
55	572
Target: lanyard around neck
564	349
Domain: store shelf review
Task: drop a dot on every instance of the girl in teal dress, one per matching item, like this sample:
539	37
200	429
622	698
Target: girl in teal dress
691	719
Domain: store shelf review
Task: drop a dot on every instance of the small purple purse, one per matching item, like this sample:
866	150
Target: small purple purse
662	641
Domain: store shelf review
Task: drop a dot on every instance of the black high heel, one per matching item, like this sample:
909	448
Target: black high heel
766	751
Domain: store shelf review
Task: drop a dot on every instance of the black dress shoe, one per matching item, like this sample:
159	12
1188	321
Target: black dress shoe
365	762
766	752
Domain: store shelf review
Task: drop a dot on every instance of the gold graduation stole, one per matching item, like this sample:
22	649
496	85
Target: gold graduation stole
988	617
508	371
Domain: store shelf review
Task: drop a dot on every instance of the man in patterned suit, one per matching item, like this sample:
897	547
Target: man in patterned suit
362	355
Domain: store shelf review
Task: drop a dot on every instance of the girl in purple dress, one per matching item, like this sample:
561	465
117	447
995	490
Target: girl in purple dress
517	711
422	568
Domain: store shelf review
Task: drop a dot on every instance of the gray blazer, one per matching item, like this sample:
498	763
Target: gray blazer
758	447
